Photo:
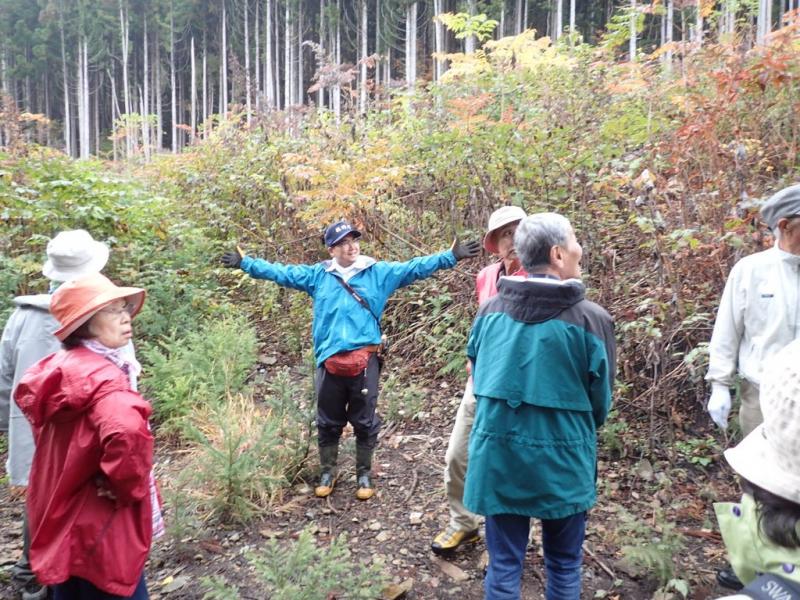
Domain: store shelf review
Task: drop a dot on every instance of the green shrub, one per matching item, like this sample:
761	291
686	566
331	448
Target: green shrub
198	369
653	549
400	400
305	571
241	457
614	434
245	454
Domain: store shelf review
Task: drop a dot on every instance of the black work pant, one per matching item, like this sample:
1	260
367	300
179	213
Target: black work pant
354	400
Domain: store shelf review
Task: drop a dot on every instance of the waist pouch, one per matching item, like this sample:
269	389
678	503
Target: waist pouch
349	364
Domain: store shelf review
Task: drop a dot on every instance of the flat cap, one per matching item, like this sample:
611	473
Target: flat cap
785	203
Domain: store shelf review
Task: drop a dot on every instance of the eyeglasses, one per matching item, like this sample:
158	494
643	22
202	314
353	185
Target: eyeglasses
117	311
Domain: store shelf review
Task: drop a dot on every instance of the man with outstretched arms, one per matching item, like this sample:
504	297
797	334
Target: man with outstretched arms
350	292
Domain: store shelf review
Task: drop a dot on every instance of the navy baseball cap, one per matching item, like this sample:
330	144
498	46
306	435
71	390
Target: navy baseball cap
336	232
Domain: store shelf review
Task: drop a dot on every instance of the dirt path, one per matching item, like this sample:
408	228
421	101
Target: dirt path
638	501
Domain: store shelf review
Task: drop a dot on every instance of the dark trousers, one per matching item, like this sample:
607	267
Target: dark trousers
562	542
21	573
76	588
354	400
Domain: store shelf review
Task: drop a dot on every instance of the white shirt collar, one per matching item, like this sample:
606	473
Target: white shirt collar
346	273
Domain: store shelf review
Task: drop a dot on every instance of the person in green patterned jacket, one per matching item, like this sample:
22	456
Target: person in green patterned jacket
543	360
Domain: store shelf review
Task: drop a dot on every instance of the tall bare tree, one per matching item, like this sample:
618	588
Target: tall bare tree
173	90
145	95
362	81
248	107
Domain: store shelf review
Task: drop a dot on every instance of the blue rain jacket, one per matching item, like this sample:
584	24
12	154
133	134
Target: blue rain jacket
340	322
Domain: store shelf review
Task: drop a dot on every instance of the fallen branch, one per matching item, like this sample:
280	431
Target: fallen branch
412	487
329	504
599	562
700	533
388	430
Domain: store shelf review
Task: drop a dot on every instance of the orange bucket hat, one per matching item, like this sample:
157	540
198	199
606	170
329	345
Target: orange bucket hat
77	301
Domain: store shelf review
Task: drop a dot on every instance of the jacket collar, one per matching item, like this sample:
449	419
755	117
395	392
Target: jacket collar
361	263
40	301
792	259
538	300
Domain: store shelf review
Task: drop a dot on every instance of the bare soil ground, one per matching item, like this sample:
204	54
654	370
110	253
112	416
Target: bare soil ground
395	528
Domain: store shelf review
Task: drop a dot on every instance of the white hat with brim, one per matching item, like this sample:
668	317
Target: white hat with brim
769	456
757	461
74	254
77	301
500	218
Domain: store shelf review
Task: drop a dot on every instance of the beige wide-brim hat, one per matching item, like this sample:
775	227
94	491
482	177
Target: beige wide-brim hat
770	455
77	301
500	218
74	254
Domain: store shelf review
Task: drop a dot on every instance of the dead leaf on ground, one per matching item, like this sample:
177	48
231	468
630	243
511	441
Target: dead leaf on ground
212	547
397	590
451	570
175	583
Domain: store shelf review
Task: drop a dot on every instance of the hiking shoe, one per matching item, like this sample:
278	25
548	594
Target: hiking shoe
326	483
365	490
34	591
450	539
727	578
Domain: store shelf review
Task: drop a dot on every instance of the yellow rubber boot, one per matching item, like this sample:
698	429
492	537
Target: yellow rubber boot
328	455
363	466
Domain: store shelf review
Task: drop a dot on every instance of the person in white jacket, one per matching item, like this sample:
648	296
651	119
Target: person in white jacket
758	315
27	338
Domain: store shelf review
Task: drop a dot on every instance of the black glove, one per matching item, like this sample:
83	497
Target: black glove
466	249
232	260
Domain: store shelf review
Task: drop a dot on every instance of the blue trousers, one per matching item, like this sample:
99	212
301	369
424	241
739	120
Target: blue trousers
76	588
562	542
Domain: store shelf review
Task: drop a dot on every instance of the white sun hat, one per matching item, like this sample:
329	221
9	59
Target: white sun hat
770	455
74	254
499	218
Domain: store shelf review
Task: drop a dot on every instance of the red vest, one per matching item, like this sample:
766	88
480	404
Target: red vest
486	282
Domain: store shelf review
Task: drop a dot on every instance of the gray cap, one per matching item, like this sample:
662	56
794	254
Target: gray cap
785	203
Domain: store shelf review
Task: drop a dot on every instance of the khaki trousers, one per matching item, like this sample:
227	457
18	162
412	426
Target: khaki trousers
456	463
750	415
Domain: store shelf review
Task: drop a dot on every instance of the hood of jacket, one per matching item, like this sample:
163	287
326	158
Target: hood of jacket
40	301
535	300
63	385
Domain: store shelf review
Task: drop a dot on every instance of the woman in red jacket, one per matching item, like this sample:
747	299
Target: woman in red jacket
92	502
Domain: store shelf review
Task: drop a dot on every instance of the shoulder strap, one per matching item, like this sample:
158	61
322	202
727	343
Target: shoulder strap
357	298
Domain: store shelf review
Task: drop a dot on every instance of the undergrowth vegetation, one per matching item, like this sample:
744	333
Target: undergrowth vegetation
305	571
658	172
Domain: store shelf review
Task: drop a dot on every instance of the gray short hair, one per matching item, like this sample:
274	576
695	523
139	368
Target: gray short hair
536	235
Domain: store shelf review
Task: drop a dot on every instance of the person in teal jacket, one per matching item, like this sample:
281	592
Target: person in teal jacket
543	360
350	292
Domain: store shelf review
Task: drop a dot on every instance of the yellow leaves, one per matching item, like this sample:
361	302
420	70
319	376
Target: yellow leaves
37	118
327	188
683	103
525	51
668	47
465	66
630	79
